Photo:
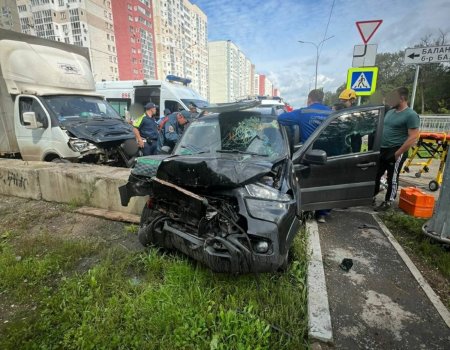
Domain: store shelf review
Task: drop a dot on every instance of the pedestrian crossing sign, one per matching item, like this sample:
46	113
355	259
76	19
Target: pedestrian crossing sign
363	80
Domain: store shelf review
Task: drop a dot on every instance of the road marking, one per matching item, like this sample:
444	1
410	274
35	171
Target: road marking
434	298
319	319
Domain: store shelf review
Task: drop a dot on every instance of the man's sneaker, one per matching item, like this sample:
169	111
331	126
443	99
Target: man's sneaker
385	206
321	219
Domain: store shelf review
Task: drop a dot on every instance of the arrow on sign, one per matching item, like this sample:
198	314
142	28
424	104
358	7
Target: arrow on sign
368	28
413	55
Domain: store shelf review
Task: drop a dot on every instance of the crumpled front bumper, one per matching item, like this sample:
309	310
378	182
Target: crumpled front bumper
234	256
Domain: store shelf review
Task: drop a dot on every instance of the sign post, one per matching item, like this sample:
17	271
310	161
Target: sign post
416	78
422	55
438	226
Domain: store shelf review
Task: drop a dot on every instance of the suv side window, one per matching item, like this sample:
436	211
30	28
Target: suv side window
30	104
349	133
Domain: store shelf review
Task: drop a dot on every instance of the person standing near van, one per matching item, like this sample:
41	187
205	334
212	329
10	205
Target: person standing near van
172	129
146	130
400	132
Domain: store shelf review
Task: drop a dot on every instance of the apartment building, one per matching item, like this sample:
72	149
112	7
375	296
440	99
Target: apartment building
9	17
231	73
265	86
135	38
181	33
87	23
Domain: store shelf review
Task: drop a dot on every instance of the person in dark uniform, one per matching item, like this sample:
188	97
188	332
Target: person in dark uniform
172	129
146	130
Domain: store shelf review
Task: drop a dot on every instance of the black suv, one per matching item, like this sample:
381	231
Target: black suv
232	192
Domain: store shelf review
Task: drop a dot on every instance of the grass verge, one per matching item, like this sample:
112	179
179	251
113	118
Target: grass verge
408	231
149	300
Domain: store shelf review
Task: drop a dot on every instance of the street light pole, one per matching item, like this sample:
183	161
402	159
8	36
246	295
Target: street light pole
317	46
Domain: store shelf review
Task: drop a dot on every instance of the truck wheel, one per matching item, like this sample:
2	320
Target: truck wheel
433	185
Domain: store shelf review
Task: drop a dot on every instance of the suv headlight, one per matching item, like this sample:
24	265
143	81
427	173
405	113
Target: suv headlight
261	191
81	145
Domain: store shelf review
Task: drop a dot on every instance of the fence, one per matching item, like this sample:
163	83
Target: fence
433	123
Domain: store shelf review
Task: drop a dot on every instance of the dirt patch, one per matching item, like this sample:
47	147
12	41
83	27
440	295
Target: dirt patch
60	220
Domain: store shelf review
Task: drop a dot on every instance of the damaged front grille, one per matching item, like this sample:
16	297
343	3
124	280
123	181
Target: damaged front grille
203	216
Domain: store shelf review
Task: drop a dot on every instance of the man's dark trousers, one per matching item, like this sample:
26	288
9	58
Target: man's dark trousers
393	168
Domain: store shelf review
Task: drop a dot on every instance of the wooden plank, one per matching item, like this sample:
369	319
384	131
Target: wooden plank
108	214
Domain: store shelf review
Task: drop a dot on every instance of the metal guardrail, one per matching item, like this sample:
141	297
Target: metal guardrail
434	123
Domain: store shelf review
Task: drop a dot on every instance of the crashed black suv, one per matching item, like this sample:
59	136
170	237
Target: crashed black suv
232	192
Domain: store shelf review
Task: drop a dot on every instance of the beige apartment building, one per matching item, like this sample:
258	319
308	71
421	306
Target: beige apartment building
87	23
9	17
231	73
181	42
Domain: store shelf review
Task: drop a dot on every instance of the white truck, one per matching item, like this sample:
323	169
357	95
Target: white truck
49	109
128	97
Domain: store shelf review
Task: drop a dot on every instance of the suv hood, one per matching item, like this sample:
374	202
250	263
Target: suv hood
100	130
230	171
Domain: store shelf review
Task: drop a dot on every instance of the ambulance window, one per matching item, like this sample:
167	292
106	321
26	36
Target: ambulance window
173	106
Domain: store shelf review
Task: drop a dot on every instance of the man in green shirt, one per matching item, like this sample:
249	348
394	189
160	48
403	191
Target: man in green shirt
400	132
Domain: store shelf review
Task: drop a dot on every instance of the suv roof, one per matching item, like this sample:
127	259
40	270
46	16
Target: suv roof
232	106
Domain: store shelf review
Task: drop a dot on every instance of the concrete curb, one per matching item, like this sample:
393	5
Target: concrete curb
80	184
319	319
434	298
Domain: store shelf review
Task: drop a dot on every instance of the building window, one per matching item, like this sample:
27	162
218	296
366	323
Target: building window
22	8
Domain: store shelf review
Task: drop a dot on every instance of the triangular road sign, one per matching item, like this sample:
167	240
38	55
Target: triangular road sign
368	28
361	82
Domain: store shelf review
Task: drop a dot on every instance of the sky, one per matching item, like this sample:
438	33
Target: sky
268	31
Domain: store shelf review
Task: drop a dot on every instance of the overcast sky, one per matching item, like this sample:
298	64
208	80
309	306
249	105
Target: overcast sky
268	31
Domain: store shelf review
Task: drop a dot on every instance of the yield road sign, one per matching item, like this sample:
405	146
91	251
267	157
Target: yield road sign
430	54
368	28
362	80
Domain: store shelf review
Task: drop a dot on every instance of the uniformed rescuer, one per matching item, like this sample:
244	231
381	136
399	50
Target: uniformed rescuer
146	130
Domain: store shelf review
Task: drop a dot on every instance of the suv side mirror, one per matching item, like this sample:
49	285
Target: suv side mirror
315	156
29	120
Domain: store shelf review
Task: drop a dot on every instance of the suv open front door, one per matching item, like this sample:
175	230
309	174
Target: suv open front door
351	140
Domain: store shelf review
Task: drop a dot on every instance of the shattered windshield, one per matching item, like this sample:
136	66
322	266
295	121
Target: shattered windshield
83	107
244	133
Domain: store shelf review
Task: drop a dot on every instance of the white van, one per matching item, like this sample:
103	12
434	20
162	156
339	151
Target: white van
49	109
128	97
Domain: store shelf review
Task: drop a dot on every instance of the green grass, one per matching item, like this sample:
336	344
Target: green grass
408	231
148	300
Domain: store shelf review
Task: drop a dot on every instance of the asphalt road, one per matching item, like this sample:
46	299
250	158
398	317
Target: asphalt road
377	304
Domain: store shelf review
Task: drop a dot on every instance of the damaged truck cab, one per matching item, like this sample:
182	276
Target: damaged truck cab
232	192
49	109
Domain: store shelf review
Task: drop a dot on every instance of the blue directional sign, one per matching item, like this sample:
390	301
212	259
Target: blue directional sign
362	80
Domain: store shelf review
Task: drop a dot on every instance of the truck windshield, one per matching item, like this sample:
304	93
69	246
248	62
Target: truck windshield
86	107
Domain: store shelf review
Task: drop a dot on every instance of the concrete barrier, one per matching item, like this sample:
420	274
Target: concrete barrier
78	184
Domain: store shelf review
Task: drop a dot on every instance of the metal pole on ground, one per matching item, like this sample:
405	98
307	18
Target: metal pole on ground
438	227
359	100
416	78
